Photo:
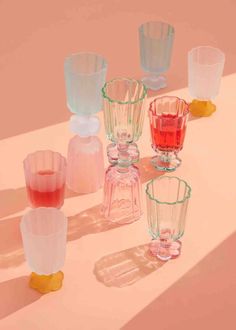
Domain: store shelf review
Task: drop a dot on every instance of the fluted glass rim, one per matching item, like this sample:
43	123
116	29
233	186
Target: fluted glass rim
220	52
105	96
73	55
37	209
60	171
160	23
186	111
188	195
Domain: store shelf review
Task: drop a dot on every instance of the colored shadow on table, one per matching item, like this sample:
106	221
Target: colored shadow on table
204	298
126	267
16	200
15	294
87	222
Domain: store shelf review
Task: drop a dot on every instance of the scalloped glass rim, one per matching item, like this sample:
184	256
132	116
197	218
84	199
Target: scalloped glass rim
186	111
218	50
46	150
161	23
105	96
169	177
70	57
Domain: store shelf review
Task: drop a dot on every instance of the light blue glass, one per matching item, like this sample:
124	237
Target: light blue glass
85	75
156	41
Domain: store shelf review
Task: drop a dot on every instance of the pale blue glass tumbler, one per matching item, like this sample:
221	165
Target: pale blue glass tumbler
85	75
156	42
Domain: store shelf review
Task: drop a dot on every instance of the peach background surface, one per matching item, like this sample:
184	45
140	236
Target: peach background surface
109	281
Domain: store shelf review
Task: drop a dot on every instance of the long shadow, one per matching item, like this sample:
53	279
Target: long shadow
126	267
204	298
15	200
15	294
89	221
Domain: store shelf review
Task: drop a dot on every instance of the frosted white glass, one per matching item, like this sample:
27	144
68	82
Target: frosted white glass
205	68
44	233
85	75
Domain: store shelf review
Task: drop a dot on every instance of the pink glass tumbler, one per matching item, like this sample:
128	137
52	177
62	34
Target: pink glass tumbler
168	117
45	174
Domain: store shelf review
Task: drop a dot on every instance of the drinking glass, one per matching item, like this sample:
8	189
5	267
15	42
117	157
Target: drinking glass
123	115
167	203
45	175
205	68
155	42
85	75
168	117
123	100
44	233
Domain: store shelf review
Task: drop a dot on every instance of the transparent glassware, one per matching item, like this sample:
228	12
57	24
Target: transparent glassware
205	68
123	103
85	75
124	116
122	193
155	42
45	176
167	203
168	116
44	232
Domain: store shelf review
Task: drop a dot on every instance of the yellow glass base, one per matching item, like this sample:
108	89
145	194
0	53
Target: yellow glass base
46	283
202	108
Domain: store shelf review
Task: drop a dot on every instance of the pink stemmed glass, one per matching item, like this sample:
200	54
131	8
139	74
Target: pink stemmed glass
45	174
168	117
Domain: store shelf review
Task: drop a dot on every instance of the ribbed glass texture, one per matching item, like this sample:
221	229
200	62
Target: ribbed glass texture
205	68
167	202
155	41
85	75
45	175
123	109
44	233
168	117
122	194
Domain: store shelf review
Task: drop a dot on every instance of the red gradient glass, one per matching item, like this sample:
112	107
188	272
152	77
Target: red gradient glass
168	121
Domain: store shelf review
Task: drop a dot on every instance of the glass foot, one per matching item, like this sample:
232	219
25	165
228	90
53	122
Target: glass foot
165	253
202	108
112	153
154	82
166	161
46	283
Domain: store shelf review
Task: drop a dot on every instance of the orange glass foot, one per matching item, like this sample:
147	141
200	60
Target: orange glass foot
202	108
46	283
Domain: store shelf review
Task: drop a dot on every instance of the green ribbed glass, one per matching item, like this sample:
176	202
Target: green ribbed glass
123	109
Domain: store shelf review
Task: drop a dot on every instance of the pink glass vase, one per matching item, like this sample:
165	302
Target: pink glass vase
45	174
122	189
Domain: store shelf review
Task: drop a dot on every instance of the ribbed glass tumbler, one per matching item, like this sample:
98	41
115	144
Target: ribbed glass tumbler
44	232
205	68
45	176
85	75
124	115
168	117
167	203
156	42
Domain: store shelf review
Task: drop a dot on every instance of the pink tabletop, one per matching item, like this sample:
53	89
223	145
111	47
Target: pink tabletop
109	281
